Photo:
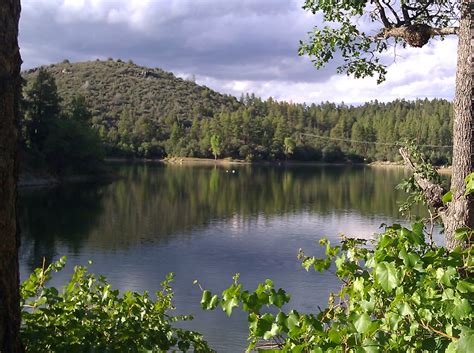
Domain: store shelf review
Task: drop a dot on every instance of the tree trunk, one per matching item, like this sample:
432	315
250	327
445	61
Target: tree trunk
9	236
460	211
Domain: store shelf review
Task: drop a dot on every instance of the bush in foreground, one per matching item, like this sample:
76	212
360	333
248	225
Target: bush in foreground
89	316
400	295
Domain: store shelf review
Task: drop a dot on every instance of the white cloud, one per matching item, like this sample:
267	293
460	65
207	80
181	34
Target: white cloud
416	73
233	46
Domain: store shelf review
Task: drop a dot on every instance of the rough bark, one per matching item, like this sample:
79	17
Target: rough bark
460	210
9	238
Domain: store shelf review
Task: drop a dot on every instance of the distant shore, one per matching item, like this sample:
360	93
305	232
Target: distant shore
445	170
32	180
226	161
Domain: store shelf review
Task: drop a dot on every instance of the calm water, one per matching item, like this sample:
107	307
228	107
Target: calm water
206	223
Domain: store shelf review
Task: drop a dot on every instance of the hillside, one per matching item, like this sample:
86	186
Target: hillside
143	112
113	88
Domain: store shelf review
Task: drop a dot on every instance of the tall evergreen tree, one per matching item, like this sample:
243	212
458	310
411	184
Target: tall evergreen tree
42	107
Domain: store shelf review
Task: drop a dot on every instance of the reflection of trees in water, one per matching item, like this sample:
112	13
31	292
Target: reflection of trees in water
61	215
154	203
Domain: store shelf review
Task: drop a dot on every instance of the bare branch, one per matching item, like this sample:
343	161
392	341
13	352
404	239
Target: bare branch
383	16
395	14
406	15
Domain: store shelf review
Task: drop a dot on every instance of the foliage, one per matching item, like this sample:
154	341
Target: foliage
289	145
411	187
142	112
401	295
72	146
89	316
59	139
41	106
215	145
361	31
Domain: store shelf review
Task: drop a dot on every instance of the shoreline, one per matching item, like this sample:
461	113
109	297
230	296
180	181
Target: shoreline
29	180
208	161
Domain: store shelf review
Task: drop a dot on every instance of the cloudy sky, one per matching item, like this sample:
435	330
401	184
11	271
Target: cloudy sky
232	46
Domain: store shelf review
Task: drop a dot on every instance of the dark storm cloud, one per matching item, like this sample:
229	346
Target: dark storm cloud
252	40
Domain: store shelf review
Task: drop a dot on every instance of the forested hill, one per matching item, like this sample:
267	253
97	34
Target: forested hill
112	86
143	112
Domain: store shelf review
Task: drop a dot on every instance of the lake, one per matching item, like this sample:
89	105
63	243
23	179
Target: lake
208	223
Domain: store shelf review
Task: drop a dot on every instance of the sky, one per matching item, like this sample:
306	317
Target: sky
232	46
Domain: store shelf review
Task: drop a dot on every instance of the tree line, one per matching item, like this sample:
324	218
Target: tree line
271	130
65	135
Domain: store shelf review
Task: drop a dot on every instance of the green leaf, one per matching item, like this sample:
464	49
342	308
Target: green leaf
264	324
362	323
469	183
466	343
359	284
462	308
452	347
409	259
278	298
272	332
205	300
229	304
386	276
293	320
370	346
447	197
404	309
463	234
465	287
335	335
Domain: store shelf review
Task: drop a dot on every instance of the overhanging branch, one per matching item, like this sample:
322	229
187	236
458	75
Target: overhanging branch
415	35
432	192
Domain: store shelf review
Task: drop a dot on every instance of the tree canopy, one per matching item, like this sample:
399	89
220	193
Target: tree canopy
361	31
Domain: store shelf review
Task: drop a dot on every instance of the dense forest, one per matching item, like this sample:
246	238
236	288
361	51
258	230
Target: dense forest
77	112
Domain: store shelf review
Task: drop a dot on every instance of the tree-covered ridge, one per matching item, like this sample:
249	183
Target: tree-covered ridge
142	112
280	130
117	92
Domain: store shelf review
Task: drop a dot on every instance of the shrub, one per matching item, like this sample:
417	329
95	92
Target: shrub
403	295
89	316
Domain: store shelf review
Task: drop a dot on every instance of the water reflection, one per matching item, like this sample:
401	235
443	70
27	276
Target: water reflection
207	223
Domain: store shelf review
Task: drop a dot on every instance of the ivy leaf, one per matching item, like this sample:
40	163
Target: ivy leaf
386	276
